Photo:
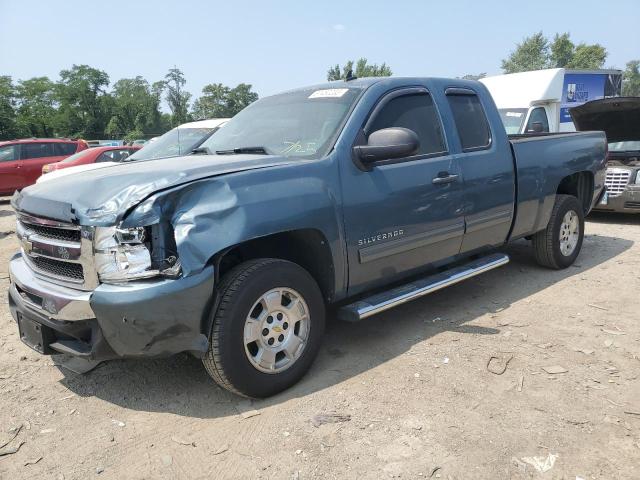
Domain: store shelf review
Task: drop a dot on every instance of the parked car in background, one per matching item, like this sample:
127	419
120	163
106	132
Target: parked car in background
21	161
139	142
179	141
619	118
87	158
539	101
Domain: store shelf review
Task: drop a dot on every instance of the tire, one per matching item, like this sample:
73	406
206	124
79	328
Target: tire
548	248
248	306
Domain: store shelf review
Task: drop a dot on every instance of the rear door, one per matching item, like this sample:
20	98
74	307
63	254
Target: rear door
9	168
486	163
34	156
402	214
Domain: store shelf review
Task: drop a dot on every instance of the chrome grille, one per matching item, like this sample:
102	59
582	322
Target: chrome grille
59	268
58	252
616	181
54	233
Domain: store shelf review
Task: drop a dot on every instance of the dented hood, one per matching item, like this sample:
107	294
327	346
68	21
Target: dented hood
617	117
102	197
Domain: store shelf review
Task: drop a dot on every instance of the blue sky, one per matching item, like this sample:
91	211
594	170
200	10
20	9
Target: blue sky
278	45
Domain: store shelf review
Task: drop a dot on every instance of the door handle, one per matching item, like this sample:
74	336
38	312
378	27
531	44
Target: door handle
444	177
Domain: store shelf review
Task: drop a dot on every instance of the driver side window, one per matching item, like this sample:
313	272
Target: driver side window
416	112
538	116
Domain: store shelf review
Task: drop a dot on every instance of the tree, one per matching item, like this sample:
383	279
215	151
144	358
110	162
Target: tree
220	101
8	123
631	79
177	97
37	107
562	49
589	57
84	104
537	52
531	54
363	69
135	109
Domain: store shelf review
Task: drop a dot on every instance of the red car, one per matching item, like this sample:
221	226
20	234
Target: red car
93	155
21	161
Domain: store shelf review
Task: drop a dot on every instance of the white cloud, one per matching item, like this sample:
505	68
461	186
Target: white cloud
338	27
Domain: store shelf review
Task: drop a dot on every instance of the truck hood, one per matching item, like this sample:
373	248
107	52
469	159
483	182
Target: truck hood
617	117
103	196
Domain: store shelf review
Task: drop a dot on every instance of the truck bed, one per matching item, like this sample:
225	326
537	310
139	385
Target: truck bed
541	162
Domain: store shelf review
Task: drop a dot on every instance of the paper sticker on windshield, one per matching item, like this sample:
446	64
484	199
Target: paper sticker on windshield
329	93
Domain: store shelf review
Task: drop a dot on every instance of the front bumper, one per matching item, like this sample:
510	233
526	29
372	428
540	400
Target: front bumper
137	319
628	201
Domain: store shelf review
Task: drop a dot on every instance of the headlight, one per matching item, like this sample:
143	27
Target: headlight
638	178
122	255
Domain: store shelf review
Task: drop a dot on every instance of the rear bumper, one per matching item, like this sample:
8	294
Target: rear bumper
626	202
138	319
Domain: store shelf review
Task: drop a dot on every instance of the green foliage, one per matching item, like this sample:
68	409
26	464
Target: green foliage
84	106
8	121
135	109
531	54
362	69
220	101
537	52
177	97
36	114
631	79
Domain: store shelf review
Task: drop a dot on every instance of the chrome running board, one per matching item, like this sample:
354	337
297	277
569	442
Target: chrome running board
392	298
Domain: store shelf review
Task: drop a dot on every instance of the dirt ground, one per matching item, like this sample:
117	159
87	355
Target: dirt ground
451	386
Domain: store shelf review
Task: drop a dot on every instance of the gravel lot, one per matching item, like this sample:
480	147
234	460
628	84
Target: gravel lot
452	386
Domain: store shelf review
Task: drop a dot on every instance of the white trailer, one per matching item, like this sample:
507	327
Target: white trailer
539	100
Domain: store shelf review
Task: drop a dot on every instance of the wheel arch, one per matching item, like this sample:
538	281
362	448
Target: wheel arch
307	247
579	185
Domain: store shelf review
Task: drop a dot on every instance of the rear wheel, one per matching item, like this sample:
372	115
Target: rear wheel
267	328
558	245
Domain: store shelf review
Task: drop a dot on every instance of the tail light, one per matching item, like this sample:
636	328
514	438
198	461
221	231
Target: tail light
46	169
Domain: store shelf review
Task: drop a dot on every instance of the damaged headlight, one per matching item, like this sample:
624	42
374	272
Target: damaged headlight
123	254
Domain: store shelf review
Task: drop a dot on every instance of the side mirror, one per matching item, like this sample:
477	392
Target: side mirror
388	143
536	127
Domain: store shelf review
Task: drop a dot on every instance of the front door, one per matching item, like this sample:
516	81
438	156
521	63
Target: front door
9	168
404	214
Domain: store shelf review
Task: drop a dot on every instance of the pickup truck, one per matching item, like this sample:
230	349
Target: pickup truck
357	195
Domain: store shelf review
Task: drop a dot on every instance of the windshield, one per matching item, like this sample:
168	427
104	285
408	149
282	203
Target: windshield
75	156
179	141
302	123
625	146
512	119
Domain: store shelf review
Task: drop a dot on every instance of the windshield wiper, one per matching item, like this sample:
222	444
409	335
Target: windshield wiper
235	151
201	150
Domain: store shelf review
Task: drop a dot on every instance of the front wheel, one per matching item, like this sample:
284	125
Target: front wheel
267	328
558	245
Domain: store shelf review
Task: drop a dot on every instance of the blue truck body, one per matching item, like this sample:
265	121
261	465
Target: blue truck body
354	229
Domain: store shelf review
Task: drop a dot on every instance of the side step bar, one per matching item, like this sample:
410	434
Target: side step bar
384	301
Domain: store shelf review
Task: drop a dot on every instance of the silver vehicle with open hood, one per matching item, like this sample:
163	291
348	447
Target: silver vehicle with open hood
619	118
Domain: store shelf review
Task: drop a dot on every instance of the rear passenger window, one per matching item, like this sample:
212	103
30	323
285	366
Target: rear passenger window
65	148
471	122
37	150
415	112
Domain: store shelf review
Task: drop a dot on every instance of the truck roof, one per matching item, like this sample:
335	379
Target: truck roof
524	89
